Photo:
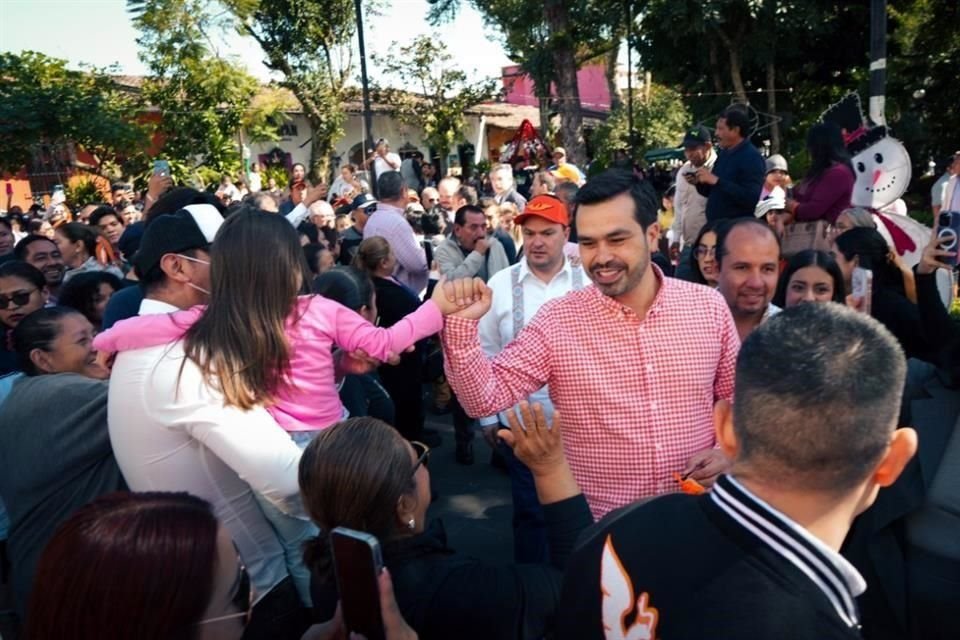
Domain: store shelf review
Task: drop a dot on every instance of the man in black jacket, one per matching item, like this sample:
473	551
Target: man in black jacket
733	186
813	437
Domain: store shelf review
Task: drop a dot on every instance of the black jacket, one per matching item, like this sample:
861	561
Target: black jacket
741	172
877	544
682	568
443	594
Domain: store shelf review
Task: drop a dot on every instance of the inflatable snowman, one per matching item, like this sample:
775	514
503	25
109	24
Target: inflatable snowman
883	171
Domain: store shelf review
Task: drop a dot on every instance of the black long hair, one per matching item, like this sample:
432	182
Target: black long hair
811	258
826	148
874	254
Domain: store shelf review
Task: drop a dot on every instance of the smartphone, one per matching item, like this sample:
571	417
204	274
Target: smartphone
161	167
861	285
357	562
948	233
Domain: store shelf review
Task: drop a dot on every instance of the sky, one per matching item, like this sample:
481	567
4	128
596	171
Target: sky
100	32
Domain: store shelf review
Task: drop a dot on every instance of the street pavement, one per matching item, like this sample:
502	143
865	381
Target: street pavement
474	501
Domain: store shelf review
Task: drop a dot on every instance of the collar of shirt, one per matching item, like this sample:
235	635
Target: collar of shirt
839	581
525	271
663	285
150	307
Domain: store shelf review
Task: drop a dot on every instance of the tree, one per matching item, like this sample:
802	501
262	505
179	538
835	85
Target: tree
660	118
204	100
44	103
551	41
308	43
440	91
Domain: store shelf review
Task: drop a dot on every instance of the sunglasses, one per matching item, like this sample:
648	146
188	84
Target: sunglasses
241	599
423	454
19	298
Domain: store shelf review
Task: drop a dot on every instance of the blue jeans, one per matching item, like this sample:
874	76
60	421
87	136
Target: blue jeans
529	526
292	533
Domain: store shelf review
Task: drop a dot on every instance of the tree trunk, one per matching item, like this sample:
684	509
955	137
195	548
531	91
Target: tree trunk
613	87
568	93
715	65
738	89
544	117
320	150
772	107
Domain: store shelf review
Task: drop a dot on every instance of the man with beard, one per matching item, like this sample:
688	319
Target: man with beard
748	256
42	253
635	363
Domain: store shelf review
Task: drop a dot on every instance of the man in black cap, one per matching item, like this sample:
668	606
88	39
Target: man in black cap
690	208
173	262
360	210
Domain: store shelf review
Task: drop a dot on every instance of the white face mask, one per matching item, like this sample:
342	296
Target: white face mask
198	261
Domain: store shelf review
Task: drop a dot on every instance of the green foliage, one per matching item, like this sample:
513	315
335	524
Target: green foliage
204	100
43	102
309	44
278	173
442	91
83	193
658	123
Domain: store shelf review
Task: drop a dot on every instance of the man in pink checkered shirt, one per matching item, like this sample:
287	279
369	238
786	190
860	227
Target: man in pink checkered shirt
634	363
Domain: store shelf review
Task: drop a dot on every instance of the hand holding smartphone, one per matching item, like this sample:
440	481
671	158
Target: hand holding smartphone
161	167
948	234
357	562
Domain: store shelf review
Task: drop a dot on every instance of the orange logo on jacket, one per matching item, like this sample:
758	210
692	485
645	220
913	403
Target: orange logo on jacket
618	601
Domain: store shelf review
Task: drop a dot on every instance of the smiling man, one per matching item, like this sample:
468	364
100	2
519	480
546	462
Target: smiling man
748	254
635	363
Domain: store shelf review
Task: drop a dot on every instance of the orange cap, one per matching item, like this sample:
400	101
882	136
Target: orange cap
545	206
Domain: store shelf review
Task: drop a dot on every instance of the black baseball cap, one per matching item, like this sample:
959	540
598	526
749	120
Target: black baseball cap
697	136
193	227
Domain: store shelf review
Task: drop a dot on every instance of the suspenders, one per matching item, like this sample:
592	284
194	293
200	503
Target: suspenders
518	321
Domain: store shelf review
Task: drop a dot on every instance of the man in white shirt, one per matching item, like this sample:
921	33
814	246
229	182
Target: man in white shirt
544	273
384	160
940	186
690	208
173	262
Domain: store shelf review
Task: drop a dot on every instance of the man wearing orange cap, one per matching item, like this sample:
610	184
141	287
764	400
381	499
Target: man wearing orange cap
544	273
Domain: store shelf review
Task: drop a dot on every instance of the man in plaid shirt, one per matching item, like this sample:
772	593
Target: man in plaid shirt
634	363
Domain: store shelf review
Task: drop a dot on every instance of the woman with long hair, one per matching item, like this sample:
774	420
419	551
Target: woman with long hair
140	566
826	190
363	474
810	276
703	258
865	248
80	245
394	301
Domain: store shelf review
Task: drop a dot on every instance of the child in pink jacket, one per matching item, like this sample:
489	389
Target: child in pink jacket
309	402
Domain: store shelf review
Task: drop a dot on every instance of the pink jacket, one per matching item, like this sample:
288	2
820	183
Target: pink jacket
311	401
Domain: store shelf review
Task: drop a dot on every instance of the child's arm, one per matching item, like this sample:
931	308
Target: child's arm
141	332
352	332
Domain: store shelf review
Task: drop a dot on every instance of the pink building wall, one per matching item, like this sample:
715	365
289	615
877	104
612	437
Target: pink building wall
591	81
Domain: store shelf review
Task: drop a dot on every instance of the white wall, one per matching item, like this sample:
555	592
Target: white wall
398	133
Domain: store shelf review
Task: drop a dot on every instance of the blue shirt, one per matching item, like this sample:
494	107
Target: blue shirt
122	305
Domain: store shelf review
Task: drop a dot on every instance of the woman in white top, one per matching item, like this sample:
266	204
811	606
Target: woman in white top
189	416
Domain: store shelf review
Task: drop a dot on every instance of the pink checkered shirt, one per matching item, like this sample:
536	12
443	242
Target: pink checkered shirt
636	395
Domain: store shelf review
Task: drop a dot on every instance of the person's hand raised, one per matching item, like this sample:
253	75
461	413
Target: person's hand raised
534	441
468	298
930	260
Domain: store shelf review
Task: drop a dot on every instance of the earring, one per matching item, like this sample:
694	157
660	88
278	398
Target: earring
411	524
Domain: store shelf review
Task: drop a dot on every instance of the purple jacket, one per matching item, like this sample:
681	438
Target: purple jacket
827	196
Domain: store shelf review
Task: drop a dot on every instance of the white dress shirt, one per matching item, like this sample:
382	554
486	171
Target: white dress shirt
496	328
170	431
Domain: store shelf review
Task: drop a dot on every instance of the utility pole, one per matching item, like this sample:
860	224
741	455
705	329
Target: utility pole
367	141
878	61
628	6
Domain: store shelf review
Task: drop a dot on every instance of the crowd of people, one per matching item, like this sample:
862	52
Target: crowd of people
709	429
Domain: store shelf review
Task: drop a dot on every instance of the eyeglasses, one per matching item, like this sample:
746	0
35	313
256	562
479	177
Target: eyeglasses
703	252
369	209
19	298
423	452
242	598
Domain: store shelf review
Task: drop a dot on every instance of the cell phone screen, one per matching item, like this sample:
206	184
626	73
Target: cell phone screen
357	562
861	285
